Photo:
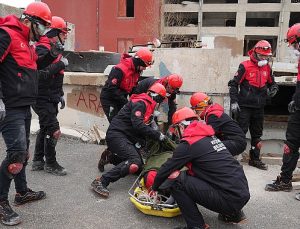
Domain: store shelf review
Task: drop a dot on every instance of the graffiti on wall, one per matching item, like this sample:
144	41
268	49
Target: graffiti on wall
85	100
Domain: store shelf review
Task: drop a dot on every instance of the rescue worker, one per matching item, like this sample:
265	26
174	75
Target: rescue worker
226	129
126	135
249	89
18	90
121	80
172	83
50	93
290	158
214	179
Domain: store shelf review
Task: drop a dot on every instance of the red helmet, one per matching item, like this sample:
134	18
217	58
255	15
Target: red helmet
263	47
39	10
175	81
293	34
158	89
145	55
59	23
182	114
199	101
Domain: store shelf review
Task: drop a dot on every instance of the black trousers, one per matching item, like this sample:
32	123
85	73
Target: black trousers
252	119
45	141
190	191
126	153
293	142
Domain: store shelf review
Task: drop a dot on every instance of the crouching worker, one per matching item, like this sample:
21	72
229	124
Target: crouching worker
214	179
226	129
127	132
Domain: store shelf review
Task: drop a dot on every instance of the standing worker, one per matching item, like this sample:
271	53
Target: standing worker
249	89
126	134
50	93
226	129
292	142
214	179
18	91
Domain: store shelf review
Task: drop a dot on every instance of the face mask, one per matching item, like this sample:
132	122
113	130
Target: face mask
262	63
41	29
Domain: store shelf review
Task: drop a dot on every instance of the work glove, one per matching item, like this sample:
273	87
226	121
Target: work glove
62	102
272	91
292	107
162	137
2	110
65	61
56	49
235	108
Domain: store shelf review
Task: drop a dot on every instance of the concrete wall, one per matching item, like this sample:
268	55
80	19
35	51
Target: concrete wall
83	108
199	68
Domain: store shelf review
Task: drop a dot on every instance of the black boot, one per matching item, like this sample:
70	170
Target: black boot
7	215
100	188
38	165
238	218
55	169
22	198
279	185
104	160
38	157
258	164
254	159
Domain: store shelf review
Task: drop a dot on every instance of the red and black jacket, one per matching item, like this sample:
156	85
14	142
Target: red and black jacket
225	127
132	120
121	80
50	88
144	85
18	69
207	159
250	83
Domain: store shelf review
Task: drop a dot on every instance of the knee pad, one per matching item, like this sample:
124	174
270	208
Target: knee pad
15	168
133	168
56	134
257	143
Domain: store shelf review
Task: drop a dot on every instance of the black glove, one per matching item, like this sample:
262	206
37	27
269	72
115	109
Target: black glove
62	102
292	106
2	110
272	91
56	49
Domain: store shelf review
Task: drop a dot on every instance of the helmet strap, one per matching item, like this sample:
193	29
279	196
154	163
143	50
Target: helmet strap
35	36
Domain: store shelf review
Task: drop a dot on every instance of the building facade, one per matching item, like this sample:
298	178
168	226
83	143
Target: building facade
233	24
110	25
